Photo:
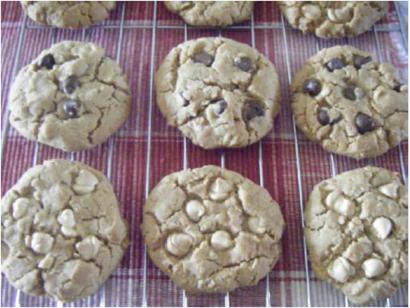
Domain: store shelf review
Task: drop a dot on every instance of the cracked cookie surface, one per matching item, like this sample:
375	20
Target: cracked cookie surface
72	97
349	103
356	232
333	19
218	92
212	230
62	232
68	14
211	13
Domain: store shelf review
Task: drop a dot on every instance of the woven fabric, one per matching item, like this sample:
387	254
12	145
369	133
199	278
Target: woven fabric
139	35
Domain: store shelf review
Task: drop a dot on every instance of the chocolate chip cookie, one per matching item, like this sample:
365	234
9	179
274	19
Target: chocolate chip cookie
72	97
349	103
212	230
333	19
211	13
68	14
62	234
218	92
356	232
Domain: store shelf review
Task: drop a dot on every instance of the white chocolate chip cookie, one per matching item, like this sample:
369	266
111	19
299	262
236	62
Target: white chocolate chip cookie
211	13
68	14
349	103
72	97
362	251
58	242
212	230
332	19
218	92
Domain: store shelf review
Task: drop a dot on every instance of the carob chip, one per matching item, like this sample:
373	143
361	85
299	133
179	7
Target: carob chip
70	84
335	64
71	108
312	87
244	63
323	116
349	93
252	110
48	61
364	123
359	61
204	58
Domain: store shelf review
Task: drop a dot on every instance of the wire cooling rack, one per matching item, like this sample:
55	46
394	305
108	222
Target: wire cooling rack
138	35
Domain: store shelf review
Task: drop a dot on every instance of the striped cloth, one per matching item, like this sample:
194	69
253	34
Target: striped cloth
139	35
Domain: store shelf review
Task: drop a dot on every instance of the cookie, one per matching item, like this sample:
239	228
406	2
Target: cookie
218	92
212	230
68	14
349	103
72	97
211	13
62	234
356	232
333	19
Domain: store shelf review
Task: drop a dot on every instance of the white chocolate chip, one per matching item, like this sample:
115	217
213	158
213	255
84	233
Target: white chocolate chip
373	267
339	15
221	240
20	207
195	210
67	231
255	225
88	248
359	93
311	11
220	189
344	206
46	262
331	198
341	270
66	218
382	227
85	182
390	190
41	242
357	250
341	220
179	244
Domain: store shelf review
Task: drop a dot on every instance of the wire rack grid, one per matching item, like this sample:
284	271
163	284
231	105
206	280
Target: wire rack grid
137	282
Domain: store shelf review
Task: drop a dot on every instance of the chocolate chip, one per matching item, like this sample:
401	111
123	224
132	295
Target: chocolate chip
222	106
204	58
252	110
397	87
335	64
312	87
359	61
349	93
244	63
323	117
364	123
70	84
71	108
48	61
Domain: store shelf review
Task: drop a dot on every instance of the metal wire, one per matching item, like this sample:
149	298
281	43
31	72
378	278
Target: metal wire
277	26
281	26
149	141
185	166
298	169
